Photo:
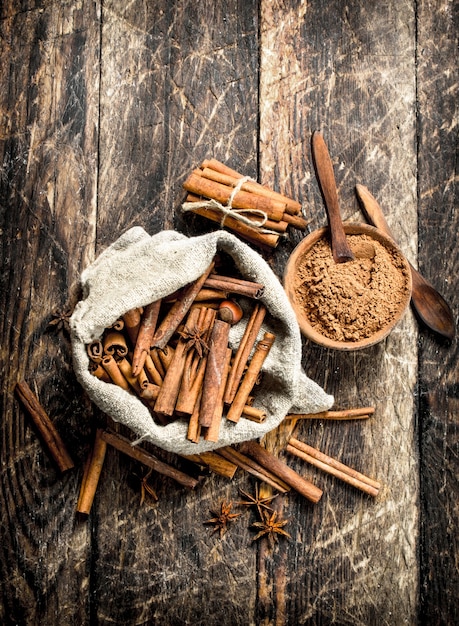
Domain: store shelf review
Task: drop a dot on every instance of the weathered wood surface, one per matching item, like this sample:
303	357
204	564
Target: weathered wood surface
105	110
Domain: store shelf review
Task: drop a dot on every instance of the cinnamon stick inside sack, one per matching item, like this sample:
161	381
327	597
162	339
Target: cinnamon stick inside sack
190	376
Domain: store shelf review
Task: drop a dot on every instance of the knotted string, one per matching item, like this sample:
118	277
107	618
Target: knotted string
237	214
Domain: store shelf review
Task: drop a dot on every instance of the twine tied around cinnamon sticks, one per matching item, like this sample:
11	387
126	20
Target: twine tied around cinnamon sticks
231	199
227	210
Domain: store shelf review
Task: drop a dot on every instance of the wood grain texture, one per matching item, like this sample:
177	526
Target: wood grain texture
105	110
49	155
438	260
364	102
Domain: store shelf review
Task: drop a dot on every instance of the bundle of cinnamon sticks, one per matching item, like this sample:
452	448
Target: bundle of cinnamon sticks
174	354
251	210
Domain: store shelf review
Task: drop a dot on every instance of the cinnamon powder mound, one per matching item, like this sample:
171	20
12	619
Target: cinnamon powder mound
354	300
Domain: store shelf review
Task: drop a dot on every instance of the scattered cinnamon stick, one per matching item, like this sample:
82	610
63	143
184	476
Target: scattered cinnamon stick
285	473
332	466
91	475
345	414
48	431
124	445
252	467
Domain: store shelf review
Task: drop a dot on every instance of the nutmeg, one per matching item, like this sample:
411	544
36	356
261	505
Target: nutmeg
229	311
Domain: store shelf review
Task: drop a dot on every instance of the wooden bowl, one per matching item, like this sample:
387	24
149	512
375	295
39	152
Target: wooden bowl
292	284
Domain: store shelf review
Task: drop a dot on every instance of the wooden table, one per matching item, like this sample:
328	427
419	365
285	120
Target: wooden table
105	109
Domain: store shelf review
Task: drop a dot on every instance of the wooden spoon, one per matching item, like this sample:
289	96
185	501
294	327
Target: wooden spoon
324	170
431	307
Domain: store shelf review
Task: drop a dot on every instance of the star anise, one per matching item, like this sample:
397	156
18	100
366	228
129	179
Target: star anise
271	527
222	518
195	339
257	501
60	321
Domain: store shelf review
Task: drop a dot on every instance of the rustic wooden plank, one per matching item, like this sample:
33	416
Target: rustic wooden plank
438	261
178	84
353	78
49	105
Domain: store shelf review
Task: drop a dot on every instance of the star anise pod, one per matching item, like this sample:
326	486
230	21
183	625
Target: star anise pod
257	501
222	518
60	321
195	339
271	527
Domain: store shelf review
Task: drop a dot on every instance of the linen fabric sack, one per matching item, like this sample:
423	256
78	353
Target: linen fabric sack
138	269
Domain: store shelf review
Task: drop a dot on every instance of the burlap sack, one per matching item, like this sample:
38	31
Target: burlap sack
138	269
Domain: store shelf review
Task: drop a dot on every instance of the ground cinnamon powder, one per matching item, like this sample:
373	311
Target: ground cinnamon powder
351	301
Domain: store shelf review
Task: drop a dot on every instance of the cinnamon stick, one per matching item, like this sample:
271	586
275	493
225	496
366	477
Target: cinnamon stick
178	311
91	475
249	233
213	430
254	468
345	414
48	431
197	184
212	383
124	445
115	345
292	206
145	334
131	323
253	370
235	285
254	414
286	473
332	466
111	367
243	352
95	351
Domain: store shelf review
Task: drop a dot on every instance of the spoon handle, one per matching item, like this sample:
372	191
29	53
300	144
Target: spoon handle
324	169
373	210
430	306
